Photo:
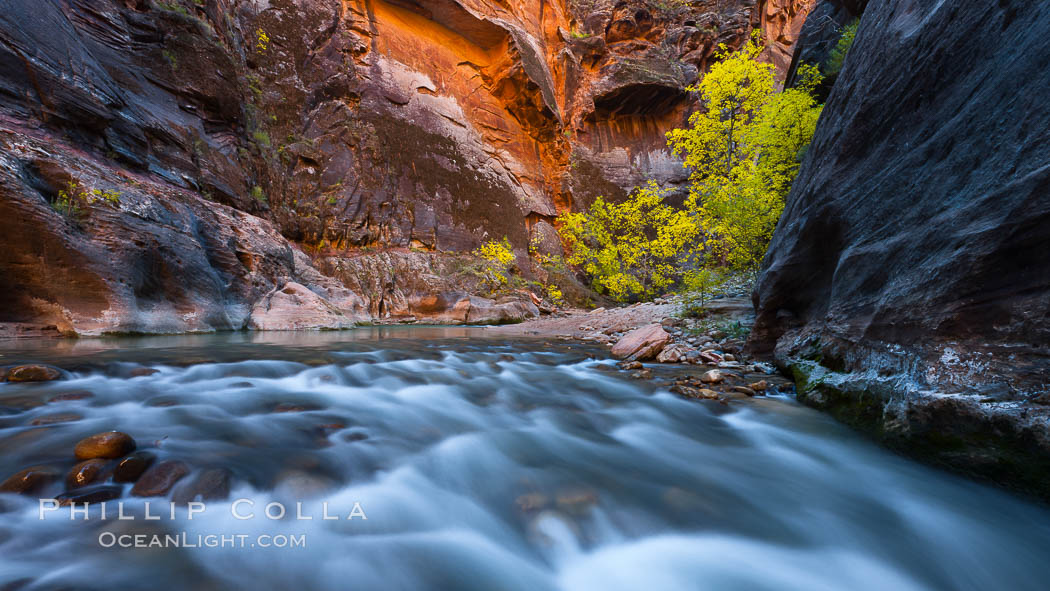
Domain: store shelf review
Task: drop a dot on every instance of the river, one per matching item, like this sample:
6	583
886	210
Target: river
455	461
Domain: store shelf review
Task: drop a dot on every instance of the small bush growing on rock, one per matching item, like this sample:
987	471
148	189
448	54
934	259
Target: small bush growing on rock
73	198
258	194
631	250
262	40
838	55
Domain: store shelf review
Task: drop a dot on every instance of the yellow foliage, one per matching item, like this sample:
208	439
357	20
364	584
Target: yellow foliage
744	152
262	40
633	249
498	257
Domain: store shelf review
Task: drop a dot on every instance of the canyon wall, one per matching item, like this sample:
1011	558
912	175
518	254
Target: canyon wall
908	282
219	149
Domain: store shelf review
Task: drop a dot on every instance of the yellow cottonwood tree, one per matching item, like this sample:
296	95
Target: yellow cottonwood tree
632	250
744	150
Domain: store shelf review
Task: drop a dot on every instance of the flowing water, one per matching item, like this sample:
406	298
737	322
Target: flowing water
481	464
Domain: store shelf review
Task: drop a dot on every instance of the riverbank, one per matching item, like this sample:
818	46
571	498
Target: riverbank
698	357
986	433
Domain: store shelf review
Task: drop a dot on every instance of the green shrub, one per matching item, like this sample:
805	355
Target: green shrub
258	194
838	55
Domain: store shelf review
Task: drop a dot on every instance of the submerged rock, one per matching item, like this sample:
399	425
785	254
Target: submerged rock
54	419
91	494
130	468
160	478
209	485
33	373
111	445
30	480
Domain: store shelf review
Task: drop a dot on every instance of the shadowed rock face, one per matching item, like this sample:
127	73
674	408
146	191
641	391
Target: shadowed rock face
241	134
912	260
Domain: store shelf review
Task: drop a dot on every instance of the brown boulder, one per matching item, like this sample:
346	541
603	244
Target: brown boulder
33	373
111	444
643	343
86	472
159	479
29	480
759	386
130	468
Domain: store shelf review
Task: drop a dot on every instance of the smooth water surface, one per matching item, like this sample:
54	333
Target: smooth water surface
486	464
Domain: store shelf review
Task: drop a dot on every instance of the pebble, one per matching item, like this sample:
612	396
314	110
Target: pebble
130	468
729	357
110	444
29	480
743	390
86	472
159	479
33	373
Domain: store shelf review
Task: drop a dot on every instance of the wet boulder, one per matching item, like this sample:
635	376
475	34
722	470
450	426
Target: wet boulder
110	444
29	481
33	373
160	478
130	468
87	472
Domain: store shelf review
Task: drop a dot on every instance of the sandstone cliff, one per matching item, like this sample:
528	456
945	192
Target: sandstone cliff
908	282
238	135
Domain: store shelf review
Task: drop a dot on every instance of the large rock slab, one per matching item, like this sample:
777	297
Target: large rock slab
642	343
908	282
488	311
294	307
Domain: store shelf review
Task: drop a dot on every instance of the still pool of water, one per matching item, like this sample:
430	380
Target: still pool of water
483	464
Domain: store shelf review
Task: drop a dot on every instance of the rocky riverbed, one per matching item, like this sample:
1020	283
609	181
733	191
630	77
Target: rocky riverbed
480	461
702	357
